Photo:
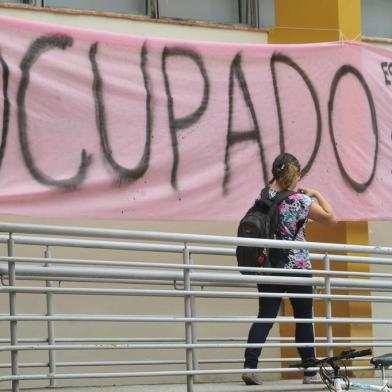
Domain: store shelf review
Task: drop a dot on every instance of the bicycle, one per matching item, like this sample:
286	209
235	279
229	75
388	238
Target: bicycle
337	381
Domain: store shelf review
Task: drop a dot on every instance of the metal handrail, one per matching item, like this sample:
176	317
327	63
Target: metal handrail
71	376
117	263
54	273
194	293
117	245
188	238
186	277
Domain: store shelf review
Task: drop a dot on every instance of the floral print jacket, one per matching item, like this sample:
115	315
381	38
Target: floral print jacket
293	216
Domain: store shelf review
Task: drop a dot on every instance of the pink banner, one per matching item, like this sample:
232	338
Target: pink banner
104	125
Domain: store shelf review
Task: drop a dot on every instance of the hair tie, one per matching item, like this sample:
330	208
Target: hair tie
280	169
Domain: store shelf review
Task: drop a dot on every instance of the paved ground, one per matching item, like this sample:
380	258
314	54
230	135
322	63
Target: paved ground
210	387
269	386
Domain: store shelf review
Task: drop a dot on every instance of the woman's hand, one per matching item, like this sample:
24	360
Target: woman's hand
309	192
321	211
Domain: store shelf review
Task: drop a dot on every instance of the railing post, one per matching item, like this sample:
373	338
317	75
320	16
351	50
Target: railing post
152	8
328	304
195	359
51	334
254	13
12	304
188	314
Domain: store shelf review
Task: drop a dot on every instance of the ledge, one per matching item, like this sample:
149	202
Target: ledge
135	18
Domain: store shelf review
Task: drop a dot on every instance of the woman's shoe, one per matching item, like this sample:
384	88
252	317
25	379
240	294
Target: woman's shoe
316	379
251	378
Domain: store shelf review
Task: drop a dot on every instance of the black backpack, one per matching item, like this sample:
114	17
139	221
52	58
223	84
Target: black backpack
261	221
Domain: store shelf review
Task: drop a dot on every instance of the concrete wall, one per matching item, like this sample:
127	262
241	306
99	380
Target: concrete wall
380	235
141	26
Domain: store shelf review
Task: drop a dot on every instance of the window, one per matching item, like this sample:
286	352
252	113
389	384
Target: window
249	12
376	18
135	7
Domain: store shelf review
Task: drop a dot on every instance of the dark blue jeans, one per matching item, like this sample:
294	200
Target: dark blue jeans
268	308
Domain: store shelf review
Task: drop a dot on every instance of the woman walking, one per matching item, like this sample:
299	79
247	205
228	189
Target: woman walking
294	213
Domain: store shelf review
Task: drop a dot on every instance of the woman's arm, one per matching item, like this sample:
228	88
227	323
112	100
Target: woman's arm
322	211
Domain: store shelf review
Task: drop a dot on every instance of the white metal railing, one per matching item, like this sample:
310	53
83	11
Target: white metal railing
178	277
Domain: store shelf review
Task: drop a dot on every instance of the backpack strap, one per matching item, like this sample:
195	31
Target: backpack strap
278	198
273	203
